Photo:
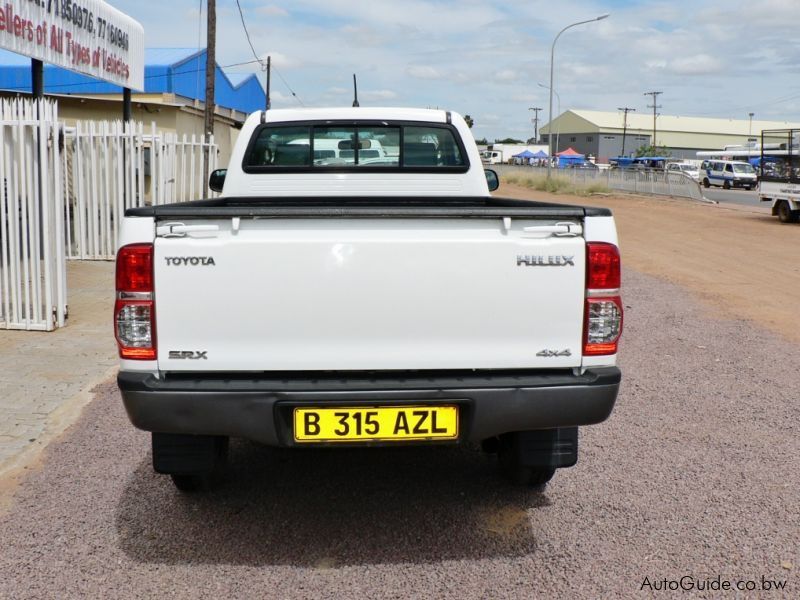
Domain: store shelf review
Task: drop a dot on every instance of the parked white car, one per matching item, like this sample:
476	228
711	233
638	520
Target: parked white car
688	169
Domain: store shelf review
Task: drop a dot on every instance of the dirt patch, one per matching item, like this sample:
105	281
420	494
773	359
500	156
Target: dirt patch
741	263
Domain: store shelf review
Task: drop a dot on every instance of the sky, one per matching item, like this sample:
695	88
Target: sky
488	59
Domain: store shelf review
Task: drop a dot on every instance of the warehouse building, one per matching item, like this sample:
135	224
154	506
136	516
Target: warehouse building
600	134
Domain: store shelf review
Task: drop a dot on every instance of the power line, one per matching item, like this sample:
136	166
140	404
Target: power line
291	91
261	62
247	33
655	106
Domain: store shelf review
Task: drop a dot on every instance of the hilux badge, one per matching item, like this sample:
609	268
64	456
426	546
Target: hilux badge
545	261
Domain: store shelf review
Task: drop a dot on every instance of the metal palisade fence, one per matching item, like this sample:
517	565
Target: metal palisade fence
33	294
64	192
113	166
658	183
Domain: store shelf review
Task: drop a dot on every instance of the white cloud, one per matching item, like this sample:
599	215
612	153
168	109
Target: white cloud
272	11
486	58
702	64
378	95
281	61
423	72
506	76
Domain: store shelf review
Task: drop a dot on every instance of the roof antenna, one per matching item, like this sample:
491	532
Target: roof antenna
355	91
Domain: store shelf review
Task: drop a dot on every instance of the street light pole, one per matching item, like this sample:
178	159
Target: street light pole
550	114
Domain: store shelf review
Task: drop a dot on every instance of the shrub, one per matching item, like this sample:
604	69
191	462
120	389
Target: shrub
556	185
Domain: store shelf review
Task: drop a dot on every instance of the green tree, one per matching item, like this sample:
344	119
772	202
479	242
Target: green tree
509	141
652	151
482	142
469	121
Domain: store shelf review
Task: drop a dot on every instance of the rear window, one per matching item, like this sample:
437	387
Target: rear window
327	146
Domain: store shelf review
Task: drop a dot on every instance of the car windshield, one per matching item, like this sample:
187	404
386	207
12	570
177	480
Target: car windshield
744	168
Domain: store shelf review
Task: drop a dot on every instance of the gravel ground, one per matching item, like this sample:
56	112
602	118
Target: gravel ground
694	474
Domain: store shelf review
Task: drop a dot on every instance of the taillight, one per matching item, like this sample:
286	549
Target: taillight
134	310
603	316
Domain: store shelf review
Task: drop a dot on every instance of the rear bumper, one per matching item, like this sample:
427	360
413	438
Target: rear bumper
259	408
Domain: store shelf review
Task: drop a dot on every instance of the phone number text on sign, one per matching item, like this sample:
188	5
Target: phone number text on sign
87	36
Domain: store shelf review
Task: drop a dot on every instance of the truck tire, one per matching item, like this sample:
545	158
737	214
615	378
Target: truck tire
786	214
528	475
726	184
191	483
192	461
706	182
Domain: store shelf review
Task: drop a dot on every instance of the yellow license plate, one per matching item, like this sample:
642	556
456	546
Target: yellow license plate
375	423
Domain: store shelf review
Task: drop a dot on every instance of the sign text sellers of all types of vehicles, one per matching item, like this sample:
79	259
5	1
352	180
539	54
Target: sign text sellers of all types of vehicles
87	36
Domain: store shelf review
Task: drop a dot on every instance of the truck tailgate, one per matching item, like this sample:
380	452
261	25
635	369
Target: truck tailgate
331	294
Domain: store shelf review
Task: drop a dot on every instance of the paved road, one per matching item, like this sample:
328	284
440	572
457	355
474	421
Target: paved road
742	197
694	475
46	377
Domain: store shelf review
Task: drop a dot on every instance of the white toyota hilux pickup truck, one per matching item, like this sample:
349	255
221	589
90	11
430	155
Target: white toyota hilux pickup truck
357	284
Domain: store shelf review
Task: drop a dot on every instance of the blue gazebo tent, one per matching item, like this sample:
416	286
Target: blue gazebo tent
540	154
569	157
525	154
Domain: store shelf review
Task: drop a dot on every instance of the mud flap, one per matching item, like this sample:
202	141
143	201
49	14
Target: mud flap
543	449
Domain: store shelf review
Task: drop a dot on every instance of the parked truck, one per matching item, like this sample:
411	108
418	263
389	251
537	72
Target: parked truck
779	173
389	301
504	153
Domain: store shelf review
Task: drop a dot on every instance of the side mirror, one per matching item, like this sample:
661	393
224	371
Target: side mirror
492	179
217	179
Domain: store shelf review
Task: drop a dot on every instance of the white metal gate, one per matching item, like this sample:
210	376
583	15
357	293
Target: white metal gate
104	175
111	167
33	293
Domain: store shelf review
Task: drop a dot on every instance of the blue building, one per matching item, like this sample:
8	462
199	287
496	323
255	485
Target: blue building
173	98
178	71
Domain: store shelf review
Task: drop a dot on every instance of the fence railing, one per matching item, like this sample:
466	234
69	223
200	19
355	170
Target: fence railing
104	175
111	167
625	180
33	293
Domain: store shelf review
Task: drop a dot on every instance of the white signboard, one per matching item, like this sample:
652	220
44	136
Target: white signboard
86	36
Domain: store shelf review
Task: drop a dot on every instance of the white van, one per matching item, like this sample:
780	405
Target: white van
728	174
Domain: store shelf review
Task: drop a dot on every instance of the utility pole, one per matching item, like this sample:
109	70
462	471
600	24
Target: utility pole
211	71
535	110
626	110
750	129
269	73
655	106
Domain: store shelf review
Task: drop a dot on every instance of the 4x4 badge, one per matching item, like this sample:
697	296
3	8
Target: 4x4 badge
553	353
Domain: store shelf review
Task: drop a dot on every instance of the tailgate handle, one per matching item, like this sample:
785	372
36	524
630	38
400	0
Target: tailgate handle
181	230
558	230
